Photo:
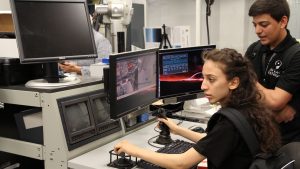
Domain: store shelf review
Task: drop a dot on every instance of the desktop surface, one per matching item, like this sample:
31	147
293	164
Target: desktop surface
99	158
84	82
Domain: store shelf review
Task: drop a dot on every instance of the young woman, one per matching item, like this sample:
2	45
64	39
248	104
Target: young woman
229	81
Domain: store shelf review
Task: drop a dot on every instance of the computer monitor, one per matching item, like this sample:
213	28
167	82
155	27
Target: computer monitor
85	118
152	36
77	119
132	81
135	35
49	31
101	112
180	72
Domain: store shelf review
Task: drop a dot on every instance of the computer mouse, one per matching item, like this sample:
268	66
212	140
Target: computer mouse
198	129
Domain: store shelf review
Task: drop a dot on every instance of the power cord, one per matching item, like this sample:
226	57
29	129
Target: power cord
208	13
151	140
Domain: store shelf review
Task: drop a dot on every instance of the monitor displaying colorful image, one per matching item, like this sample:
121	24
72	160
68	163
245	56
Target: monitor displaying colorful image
180	71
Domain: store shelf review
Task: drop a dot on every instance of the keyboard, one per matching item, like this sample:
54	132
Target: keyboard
176	147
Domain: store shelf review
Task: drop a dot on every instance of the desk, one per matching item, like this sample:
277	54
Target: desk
53	151
99	158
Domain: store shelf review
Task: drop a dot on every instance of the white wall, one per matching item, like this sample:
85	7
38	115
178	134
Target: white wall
4	5
226	23
229	23
231	28
8	47
213	22
172	13
294	23
250	35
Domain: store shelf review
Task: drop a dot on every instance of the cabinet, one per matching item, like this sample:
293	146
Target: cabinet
54	151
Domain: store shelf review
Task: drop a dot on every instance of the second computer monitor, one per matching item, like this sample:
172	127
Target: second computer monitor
132	81
180	71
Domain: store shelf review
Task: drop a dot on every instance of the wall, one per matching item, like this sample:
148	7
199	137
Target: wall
4	5
229	23
226	23
172	13
8	47
213	23
231	27
294	23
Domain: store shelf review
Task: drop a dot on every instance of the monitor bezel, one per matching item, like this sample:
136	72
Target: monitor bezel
108	126
114	114
100	130
87	132
95	96
24	59
185	95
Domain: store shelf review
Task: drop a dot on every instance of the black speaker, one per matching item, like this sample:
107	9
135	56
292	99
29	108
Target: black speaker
106	79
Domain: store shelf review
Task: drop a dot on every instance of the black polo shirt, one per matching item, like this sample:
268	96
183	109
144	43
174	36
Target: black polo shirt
273	72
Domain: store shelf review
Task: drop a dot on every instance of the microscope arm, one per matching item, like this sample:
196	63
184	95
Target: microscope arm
117	16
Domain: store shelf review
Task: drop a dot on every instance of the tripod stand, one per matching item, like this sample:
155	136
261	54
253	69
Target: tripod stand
164	39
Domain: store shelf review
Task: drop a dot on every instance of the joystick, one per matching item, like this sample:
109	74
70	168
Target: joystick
122	160
164	137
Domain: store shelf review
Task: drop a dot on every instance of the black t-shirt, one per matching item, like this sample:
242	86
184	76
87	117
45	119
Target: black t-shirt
224	147
275	73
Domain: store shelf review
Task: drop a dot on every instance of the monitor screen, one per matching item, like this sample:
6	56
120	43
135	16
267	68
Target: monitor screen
135	35
85	118
180	71
78	119
132	77
48	31
101	112
100	108
76	112
52	30
153	37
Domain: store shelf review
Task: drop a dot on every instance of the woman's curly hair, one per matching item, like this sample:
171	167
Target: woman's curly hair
246	97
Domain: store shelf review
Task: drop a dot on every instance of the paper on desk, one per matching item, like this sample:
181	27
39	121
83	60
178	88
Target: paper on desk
201	106
197	105
213	110
33	120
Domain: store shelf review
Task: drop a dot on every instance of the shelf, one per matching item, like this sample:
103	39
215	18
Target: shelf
23	148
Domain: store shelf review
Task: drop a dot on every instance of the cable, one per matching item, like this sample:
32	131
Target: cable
155	129
97	20
207	30
208	13
150	140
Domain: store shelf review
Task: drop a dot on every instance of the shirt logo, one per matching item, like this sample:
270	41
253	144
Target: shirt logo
275	72
278	64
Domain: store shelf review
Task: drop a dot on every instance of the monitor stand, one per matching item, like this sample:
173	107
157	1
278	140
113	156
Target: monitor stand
42	83
52	78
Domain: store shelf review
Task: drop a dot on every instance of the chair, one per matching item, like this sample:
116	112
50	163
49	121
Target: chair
293	150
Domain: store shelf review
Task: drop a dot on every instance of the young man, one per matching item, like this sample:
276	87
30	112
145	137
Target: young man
278	77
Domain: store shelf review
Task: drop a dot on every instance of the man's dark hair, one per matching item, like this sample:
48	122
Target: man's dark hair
276	8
